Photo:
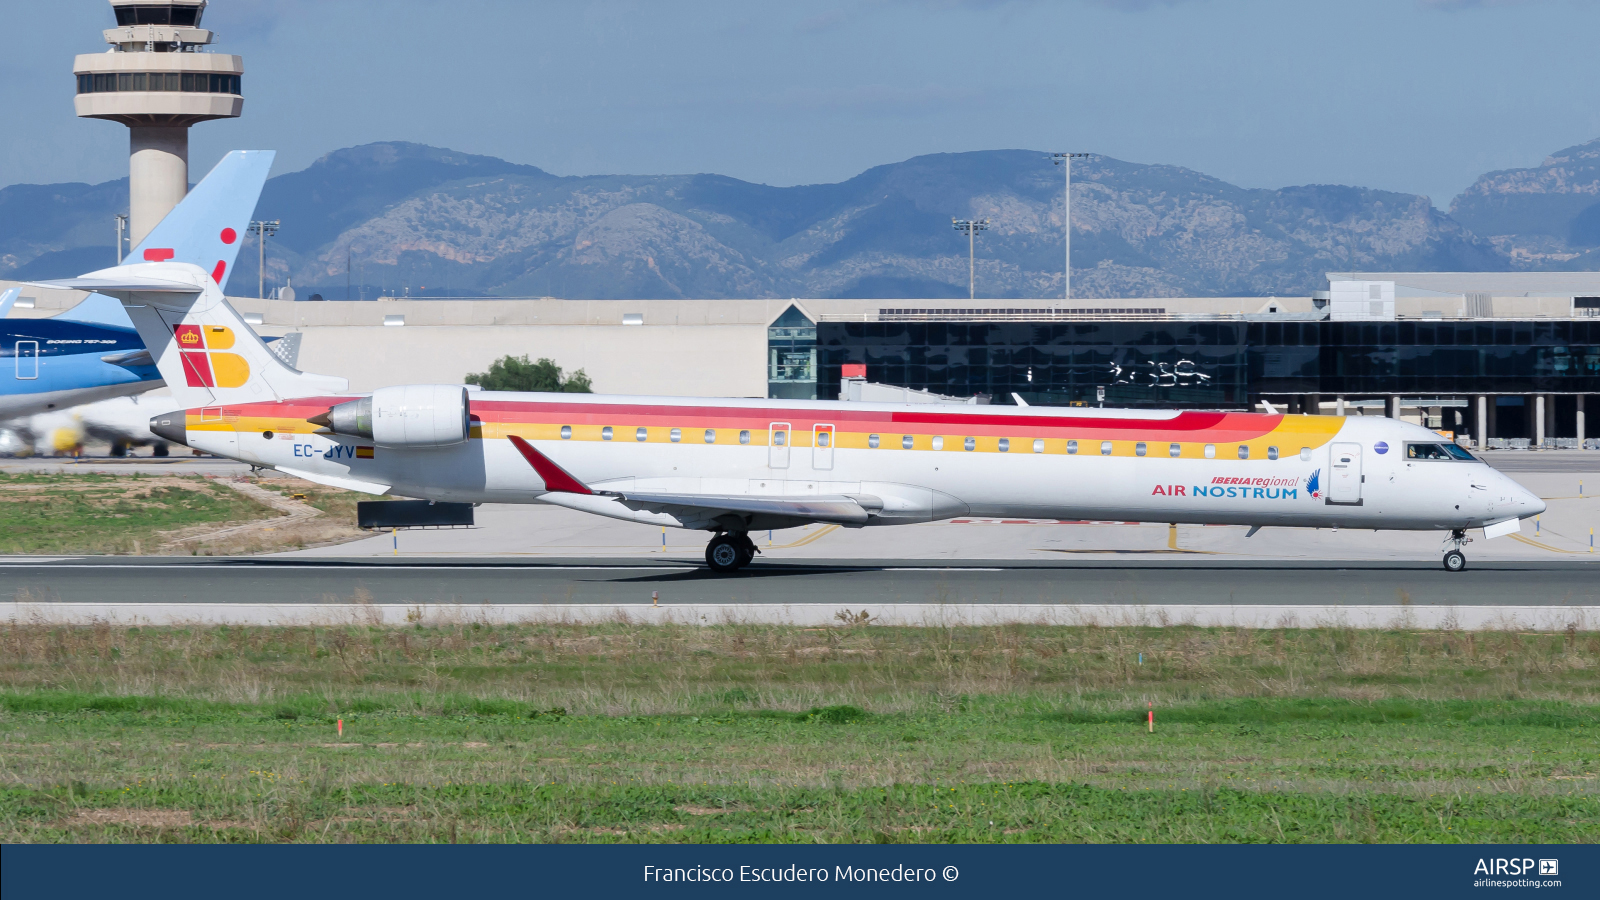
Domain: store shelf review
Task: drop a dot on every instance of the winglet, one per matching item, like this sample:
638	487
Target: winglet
555	478
6	299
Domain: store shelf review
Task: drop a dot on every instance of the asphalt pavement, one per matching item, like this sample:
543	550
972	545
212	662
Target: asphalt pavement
685	580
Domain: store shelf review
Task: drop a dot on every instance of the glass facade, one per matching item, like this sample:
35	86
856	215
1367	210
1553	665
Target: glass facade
1157	363
182	15
185	82
1211	363
792	358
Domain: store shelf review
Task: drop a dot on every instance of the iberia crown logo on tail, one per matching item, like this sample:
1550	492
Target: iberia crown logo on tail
203	366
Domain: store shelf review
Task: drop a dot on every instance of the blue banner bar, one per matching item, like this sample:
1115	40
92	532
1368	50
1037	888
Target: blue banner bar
590	871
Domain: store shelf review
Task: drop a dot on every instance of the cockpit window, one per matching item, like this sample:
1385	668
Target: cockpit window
1460	452
1435	451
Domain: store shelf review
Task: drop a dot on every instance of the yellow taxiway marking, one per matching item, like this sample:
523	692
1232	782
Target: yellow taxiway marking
815	535
1542	546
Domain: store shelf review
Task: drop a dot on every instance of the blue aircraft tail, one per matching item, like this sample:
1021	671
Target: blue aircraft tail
208	227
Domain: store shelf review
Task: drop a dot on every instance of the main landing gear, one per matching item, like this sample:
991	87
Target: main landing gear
1454	559
730	552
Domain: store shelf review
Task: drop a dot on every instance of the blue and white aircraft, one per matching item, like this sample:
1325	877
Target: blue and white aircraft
91	352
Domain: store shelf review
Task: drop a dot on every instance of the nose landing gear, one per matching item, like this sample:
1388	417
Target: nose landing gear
1454	559
730	552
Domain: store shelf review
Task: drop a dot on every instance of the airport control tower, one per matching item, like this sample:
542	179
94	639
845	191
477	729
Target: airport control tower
158	78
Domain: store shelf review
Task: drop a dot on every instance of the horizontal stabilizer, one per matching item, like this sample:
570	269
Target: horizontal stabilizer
136	285
129	358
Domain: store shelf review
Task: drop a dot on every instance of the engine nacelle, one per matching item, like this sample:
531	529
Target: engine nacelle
409	415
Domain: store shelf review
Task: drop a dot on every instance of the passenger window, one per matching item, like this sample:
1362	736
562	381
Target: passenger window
778	438
1244	452
711	435
970	444
823	439
676	435
1105	448
744	437
938	442
641	434
1005	445
1138	449
1038	446
1272	453
1072	447
566	432
1175	450
1211	451
906	442
605	433
1305	454
872	441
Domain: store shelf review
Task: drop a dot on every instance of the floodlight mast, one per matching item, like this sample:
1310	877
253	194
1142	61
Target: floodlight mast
262	231
1065	161
971	227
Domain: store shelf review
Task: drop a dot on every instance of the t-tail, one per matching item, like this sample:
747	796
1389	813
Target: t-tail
202	346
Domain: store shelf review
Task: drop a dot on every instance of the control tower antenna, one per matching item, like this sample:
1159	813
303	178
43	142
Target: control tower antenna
158	78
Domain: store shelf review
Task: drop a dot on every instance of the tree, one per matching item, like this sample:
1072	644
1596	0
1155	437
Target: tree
516	373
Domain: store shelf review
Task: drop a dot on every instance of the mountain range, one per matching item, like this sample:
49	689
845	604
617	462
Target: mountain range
407	219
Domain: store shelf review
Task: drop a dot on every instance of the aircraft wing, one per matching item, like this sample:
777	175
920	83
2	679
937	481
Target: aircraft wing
837	509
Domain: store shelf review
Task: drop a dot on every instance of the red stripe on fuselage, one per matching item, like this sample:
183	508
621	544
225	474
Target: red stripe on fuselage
1184	426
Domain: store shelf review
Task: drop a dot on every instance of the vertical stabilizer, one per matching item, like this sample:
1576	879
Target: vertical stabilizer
209	226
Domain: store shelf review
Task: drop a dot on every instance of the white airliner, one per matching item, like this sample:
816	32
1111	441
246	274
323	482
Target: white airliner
730	466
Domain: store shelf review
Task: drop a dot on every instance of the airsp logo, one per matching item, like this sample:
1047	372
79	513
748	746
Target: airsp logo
1513	866
1549	867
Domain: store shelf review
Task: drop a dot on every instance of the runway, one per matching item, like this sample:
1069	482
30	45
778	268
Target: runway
684	580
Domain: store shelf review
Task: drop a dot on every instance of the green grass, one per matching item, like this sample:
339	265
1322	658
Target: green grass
110	513
765	733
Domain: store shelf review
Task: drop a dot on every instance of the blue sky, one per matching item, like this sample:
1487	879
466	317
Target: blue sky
1419	96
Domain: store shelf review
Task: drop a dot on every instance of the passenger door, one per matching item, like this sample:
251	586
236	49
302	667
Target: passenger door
778	449
1344	480
822	446
27	360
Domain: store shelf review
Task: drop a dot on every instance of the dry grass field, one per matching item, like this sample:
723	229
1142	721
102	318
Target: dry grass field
169	514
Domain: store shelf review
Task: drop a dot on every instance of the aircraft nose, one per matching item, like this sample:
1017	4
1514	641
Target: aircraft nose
1531	505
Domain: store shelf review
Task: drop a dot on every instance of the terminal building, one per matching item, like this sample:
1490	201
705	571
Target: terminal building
1507	359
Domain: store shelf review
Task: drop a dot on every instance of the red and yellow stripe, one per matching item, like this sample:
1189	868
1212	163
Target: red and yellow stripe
537	420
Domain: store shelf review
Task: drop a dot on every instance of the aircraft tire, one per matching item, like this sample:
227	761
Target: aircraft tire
1455	561
724	555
